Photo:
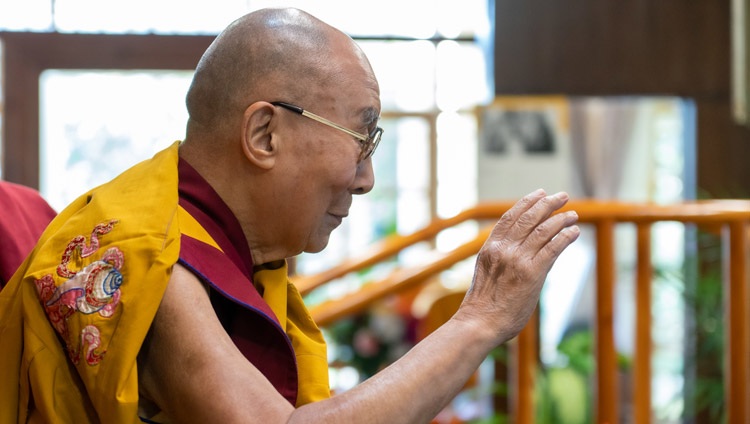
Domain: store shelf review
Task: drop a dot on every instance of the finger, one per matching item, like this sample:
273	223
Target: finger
540	211
552	250
548	229
512	215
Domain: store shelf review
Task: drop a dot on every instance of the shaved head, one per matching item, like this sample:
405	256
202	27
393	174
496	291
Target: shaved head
271	54
264	161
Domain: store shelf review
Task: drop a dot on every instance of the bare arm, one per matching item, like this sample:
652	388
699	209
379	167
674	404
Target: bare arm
193	371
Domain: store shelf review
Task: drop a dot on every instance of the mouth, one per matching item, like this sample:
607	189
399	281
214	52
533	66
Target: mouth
338	217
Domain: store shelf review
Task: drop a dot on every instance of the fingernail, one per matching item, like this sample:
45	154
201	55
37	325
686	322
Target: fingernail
562	195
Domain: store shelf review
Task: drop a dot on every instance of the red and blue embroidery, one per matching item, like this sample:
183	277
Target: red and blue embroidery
93	289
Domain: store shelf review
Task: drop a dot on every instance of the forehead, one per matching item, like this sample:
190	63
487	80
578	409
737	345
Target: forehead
352	92
347	86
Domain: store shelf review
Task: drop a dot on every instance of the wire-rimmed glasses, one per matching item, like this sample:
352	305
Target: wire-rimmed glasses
368	143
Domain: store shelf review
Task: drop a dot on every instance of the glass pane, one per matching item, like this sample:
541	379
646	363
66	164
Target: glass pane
197	16
26	15
464	18
414	18
406	72
412	180
462	80
450	19
95	125
147	16
457	171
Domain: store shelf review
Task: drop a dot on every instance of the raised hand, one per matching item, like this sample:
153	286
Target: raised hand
514	261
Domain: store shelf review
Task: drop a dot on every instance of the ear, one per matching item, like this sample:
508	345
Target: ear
258	141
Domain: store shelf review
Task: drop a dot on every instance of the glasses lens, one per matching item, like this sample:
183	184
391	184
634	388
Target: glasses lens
372	143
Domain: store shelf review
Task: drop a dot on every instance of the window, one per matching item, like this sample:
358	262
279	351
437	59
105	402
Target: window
96	124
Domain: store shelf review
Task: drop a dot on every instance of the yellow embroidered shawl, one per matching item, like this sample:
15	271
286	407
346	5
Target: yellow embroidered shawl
100	270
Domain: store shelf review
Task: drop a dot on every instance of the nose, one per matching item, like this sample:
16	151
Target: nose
364	180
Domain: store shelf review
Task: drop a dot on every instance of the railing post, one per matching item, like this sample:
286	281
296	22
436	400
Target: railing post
643	344
606	372
526	350
738	337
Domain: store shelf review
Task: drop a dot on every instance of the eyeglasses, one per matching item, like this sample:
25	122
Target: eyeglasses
368	143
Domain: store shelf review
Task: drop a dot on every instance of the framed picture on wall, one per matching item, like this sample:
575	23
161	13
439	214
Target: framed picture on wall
527	125
524	144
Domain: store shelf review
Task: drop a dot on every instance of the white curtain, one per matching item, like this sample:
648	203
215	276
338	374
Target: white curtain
611	144
601	133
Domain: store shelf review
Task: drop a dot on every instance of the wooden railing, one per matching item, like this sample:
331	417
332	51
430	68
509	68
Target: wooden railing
731	216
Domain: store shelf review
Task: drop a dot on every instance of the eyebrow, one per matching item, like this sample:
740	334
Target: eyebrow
370	115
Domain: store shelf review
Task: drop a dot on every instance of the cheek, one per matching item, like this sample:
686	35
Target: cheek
322	186
335	177
345	174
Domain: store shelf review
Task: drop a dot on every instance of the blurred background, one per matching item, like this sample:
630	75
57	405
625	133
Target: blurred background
482	101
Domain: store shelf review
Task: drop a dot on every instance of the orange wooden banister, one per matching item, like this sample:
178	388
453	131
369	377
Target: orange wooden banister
390	246
733	216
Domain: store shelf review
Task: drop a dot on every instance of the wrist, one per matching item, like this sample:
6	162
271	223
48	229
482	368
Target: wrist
479	330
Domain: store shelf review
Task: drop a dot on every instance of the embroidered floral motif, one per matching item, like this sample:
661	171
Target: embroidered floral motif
79	243
91	339
93	289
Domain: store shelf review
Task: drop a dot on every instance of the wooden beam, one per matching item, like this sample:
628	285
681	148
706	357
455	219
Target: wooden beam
27	55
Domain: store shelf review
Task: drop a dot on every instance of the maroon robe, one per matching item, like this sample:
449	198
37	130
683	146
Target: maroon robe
24	215
242	311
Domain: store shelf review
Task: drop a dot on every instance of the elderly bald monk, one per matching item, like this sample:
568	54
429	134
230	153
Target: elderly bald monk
163	296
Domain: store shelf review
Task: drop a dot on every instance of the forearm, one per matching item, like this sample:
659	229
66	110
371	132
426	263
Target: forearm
414	388
196	373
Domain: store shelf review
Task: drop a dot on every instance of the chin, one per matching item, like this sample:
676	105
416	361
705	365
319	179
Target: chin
316	246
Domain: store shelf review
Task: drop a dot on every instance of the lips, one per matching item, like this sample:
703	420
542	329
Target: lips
338	218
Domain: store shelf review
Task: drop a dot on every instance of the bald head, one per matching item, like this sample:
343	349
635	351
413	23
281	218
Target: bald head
270	54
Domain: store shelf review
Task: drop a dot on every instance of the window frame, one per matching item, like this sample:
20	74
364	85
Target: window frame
26	55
